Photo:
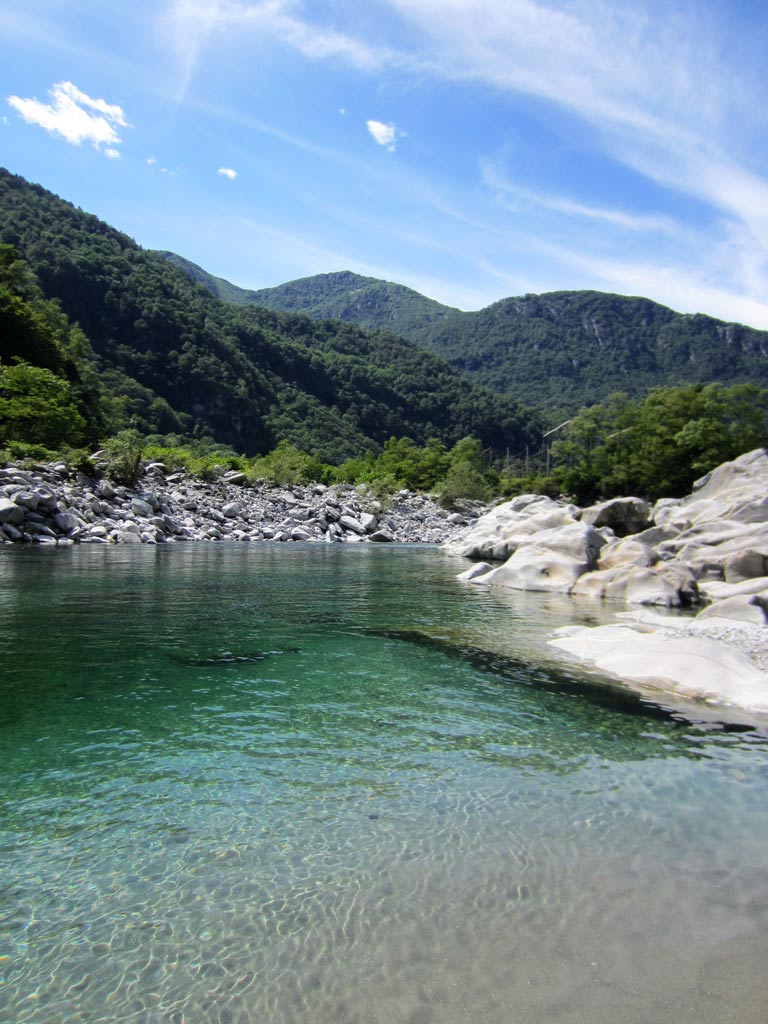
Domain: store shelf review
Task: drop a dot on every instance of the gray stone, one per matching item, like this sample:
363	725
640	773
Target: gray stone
348	522
382	537
10	512
141	508
29	499
67	521
368	521
104	489
743	565
235	477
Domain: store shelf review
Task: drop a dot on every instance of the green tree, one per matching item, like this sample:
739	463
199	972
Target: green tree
123	455
38	407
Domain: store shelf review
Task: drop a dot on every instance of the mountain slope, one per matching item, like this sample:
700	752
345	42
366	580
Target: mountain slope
366	301
558	351
563	350
185	362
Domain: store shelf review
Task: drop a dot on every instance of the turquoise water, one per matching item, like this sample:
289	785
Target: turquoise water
286	784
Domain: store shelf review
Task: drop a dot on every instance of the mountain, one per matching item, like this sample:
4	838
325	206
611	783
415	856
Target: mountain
176	359
564	350
558	351
365	301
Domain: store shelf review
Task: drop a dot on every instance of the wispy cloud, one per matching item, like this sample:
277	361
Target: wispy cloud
75	116
519	197
191	23
227	172
652	88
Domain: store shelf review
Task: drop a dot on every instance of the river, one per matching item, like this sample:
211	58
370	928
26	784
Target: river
329	784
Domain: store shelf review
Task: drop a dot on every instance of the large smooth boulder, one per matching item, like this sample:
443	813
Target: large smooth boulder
746	564
475	571
536	568
716	590
667	586
623	515
692	666
10	512
628	551
736	491
498	534
740	608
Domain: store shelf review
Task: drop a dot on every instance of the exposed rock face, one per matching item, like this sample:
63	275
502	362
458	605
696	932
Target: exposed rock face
52	505
718	533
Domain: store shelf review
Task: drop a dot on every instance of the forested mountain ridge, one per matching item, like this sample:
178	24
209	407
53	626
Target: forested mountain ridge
342	295
564	350
558	351
188	363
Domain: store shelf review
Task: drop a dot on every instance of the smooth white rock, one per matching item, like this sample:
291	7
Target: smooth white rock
535	568
475	571
691	666
742	607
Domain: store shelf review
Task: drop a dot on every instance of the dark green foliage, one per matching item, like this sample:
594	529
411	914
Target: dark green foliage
39	408
365	301
558	351
288	466
659	446
466	476
565	350
175	359
49	395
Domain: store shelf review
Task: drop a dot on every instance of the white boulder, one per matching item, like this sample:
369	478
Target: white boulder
536	568
694	667
623	515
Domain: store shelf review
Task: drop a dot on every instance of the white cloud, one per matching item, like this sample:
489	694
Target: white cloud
227	172
113	154
385	134
151	160
74	116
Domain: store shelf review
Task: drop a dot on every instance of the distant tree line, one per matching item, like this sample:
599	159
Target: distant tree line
656	446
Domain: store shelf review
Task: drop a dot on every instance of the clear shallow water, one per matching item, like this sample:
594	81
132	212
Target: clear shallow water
284	784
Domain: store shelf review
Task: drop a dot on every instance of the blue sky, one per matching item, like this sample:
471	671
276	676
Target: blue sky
472	149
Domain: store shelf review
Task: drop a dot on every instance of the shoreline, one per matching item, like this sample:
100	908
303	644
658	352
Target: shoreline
51	504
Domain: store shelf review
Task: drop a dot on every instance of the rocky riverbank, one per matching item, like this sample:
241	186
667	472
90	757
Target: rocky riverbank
707	551
52	504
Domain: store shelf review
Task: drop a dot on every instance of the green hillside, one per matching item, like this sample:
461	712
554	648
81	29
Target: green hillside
564	350
365	301
557	351
179	360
